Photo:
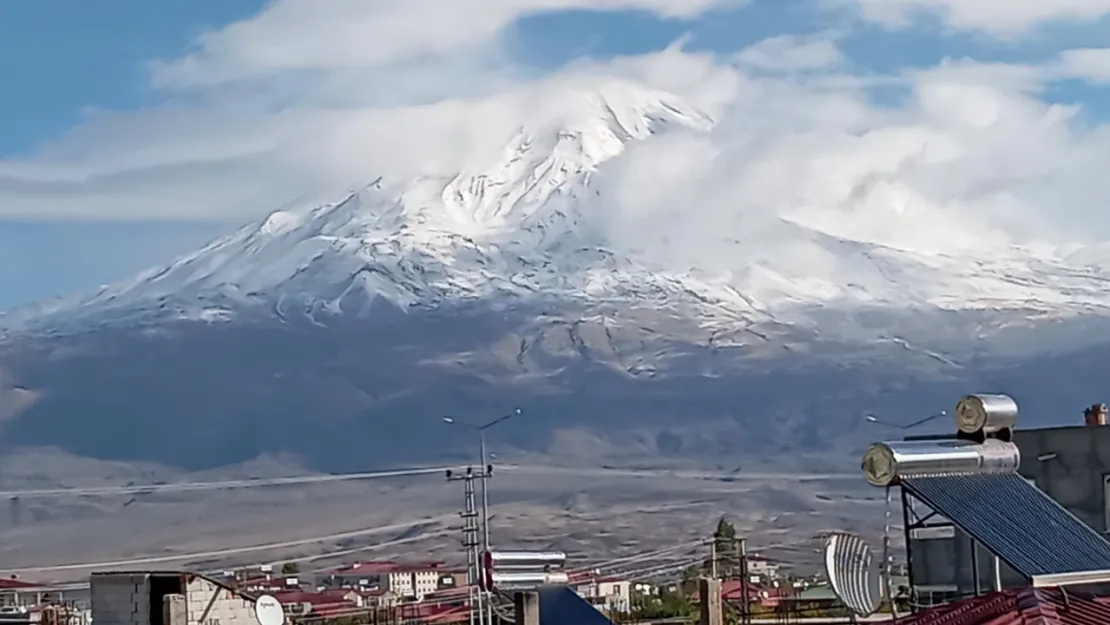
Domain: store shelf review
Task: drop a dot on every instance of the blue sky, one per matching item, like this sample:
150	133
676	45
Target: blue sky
65	56
61	58
86	66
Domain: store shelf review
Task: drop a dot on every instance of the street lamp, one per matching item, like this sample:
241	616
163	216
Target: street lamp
904	426
481	429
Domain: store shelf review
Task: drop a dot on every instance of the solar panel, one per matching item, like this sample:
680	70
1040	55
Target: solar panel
1015	521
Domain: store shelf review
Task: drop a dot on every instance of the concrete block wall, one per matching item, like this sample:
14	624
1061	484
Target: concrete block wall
174	611
120	599
210	604
1069	464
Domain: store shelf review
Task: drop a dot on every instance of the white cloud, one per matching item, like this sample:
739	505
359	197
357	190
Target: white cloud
301	101
965	163
299	35
235	164
999	17
789	53
1087	63
973	156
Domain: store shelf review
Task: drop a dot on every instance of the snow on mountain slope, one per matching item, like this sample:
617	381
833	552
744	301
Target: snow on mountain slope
510	229
802	266
527	226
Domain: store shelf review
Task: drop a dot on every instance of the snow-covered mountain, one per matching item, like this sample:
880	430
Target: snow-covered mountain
528	227
505	283
502	231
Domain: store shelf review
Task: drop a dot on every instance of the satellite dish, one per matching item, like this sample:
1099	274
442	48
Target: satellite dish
268	611
854	573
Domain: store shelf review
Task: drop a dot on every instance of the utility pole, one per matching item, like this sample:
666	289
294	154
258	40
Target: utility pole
713	558
471	542
487	472
526	608
745	577
709	593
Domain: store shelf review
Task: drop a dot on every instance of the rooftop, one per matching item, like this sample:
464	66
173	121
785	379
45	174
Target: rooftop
18	584
222	583
1024	606
378	568
324	597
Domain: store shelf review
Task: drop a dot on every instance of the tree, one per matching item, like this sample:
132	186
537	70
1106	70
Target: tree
724	545
665	605
690	578
290	568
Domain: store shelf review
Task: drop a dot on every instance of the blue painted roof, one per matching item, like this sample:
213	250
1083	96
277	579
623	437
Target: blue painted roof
560	605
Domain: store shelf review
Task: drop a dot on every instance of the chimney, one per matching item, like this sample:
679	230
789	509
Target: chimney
1095	415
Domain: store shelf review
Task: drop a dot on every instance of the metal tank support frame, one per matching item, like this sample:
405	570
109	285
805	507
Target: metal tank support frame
915	524
941	478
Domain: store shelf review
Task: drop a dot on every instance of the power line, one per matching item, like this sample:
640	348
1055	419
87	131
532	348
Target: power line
319	556
656	553
373	547
647	573
607	564
228	484
644	555
231	551
371	475
717	476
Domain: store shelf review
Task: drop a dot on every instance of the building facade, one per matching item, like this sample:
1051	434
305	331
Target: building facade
609	594
763	568
167	598
18	594
412	581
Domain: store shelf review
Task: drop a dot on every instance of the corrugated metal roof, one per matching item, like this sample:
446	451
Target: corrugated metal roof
1026	606
1015	521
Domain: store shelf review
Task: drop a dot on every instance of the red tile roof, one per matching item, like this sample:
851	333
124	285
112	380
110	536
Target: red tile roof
326	603
733	590
438	614
447	593
18	584
1025	606
324	597
337	609
591	576
271	582
377	568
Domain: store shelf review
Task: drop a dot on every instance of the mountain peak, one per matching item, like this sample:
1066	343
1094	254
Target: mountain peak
515	228
508	226
560	154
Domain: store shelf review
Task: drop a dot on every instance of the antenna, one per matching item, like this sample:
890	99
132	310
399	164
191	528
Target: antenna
268	611
854	573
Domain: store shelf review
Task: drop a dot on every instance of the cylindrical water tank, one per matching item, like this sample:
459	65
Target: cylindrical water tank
502	560
986	413
526	580
886	463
